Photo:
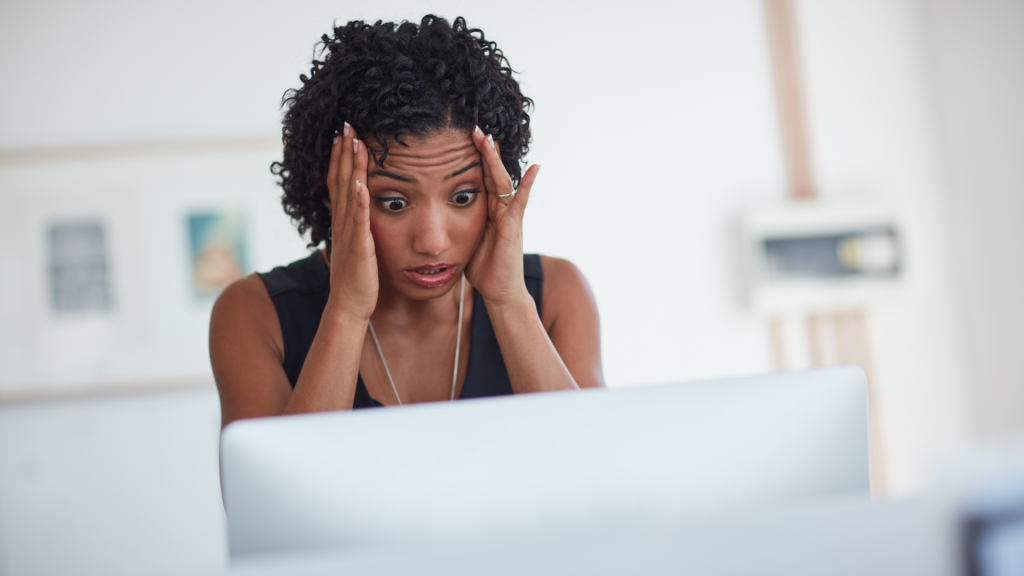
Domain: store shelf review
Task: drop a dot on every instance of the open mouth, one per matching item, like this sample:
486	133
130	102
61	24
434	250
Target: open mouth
432	275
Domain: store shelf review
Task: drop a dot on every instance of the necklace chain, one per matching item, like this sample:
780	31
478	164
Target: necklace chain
458	342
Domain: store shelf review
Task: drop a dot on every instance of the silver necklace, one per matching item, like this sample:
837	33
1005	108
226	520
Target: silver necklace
458	341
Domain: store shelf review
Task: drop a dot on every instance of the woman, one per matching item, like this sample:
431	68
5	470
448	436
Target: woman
402	153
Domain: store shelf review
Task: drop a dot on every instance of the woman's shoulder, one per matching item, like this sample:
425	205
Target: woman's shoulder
245	304
565	287
244	315
247	352
561	272
307	275
254	294
244	293
248	304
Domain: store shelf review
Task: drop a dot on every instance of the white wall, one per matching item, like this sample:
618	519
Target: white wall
978	80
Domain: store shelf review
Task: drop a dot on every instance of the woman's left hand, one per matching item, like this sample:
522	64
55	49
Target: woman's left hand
496	269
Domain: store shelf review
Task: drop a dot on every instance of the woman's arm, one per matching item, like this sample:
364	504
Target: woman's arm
246	352
571	320
560	352
246	348
247	355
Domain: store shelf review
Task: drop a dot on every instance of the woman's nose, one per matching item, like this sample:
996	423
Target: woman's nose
431	234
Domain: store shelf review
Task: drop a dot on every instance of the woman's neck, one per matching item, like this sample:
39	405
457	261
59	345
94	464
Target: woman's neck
400	311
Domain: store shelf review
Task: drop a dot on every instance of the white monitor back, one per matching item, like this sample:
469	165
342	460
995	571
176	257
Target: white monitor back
441	472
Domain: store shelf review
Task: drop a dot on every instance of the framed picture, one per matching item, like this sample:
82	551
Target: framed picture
78	267
217	251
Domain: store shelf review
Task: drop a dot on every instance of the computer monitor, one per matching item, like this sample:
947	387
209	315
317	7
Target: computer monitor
443	472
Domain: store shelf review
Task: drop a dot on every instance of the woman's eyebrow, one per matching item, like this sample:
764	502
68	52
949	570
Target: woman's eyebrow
388	174
461	170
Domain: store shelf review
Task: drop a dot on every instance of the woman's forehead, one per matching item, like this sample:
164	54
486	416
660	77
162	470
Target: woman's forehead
437	151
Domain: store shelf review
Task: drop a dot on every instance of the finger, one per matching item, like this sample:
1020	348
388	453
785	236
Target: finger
340	168
479	138
480	141
495	176
345	162
499	175
360	159
332	172
523	192
361	214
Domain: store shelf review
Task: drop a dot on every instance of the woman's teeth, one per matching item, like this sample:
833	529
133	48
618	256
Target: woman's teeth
432	271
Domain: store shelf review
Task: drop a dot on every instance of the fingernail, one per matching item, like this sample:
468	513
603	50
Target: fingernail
478	131
490	140
347	128
355	145
357	185
336	139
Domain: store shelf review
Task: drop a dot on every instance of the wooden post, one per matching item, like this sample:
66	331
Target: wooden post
788	98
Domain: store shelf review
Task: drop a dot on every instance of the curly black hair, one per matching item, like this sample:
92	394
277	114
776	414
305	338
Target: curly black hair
394	80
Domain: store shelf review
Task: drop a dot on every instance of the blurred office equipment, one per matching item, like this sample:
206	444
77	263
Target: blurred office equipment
438	472
994	533
814	270
987	480
808	257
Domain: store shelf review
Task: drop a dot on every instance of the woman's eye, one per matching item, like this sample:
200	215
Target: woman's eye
392	204
464	197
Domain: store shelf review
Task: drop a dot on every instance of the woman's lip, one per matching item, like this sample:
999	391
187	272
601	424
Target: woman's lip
426	267
431	280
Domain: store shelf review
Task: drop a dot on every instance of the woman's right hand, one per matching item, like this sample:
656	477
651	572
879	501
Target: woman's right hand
352	255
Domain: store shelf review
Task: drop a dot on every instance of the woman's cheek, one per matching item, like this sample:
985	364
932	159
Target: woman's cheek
476	223
386	239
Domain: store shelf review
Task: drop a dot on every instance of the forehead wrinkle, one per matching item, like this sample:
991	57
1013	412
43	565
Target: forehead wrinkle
446	162
432	156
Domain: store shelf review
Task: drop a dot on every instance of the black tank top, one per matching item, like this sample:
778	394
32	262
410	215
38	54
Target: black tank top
299	292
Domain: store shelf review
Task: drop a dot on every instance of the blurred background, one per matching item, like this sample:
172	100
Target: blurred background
135	144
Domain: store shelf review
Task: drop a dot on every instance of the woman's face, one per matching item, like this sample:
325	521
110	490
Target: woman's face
428	209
